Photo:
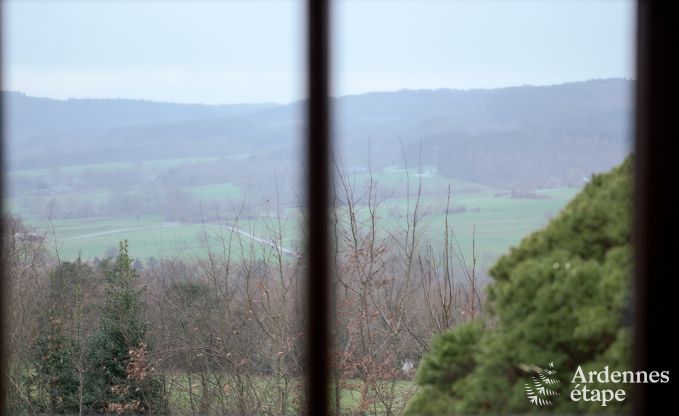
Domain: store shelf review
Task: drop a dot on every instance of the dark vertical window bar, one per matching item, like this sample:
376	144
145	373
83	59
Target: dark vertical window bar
3	292
318	162
655	202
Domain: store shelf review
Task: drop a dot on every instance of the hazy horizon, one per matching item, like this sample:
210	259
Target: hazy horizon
245	52
332	96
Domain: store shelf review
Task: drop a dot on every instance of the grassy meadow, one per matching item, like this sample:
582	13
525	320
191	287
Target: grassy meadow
489	217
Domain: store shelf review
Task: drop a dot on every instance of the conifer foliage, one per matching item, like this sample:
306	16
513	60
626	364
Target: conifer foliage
58	364
121	379
108	370
561	297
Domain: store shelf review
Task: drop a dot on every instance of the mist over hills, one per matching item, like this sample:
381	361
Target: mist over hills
523	136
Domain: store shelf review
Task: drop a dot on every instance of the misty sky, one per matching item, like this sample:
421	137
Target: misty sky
253	51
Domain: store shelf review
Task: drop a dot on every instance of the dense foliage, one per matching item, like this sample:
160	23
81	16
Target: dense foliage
117	352
107	370
58	353
561	296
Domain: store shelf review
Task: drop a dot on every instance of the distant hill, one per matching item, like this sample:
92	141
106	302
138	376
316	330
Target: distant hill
43	132
520	136
32	115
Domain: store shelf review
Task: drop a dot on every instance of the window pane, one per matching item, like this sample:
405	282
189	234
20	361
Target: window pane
482	202
154	182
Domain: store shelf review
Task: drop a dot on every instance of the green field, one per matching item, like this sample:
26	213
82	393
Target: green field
499	223
479	214
152	237
217	192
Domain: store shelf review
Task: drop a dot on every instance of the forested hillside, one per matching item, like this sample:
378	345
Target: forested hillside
549	134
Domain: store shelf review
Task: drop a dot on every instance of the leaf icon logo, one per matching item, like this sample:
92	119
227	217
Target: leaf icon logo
539	391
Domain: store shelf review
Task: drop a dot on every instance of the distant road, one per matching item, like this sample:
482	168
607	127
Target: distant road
119	230
269	243
253	237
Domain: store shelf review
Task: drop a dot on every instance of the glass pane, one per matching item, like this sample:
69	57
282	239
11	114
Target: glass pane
482	204
154	179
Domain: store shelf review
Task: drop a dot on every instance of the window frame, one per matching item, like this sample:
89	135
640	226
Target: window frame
655	224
